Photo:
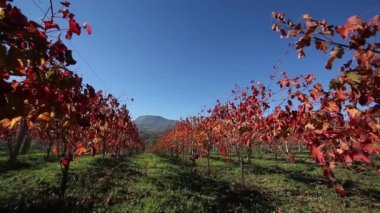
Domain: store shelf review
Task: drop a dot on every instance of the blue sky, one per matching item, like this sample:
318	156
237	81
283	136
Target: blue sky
176	56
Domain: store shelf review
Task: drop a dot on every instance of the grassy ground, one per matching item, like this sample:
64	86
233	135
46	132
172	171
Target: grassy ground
153	183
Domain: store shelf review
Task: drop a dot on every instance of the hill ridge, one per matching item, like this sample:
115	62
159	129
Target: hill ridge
151	127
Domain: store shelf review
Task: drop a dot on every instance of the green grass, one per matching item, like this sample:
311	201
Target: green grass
154	183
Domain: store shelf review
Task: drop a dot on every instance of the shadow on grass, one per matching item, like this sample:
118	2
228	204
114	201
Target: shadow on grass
271	157
6	167
351	188
30	161
87	188
95	185
227	197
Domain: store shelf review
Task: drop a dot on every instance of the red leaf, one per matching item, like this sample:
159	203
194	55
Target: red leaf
375	21
342	31
302	97
353	23
65	161
289	106
309	78
74	26
301	54
222	150
306	16
50	24
65	13
284	83
330	63
318	155
293	33
332	165
318	87
328	173
314	94
347	159
54	149
65	3
340	190
357	156
321	45
88	28
340	95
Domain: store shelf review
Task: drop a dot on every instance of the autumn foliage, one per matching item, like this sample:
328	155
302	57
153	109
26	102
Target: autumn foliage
42	99
339	124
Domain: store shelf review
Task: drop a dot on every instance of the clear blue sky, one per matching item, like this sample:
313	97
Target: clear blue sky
176	56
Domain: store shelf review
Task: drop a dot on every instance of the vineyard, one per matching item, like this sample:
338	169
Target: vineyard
293	145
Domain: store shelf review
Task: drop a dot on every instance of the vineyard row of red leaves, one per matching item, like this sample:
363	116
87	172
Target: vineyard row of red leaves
42	99
339	125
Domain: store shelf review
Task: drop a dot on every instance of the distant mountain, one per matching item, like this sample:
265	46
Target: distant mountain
154	123
151	127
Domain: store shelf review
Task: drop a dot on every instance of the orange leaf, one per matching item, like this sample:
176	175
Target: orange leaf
81	149
373	147
354	114
333	107
340	95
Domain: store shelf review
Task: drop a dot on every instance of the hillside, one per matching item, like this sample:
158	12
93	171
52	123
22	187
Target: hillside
151	127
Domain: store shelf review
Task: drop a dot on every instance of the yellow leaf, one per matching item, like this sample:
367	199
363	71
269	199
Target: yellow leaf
14	122
5	123
66	124
2	13
21	63
325	126
42	62
44	116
